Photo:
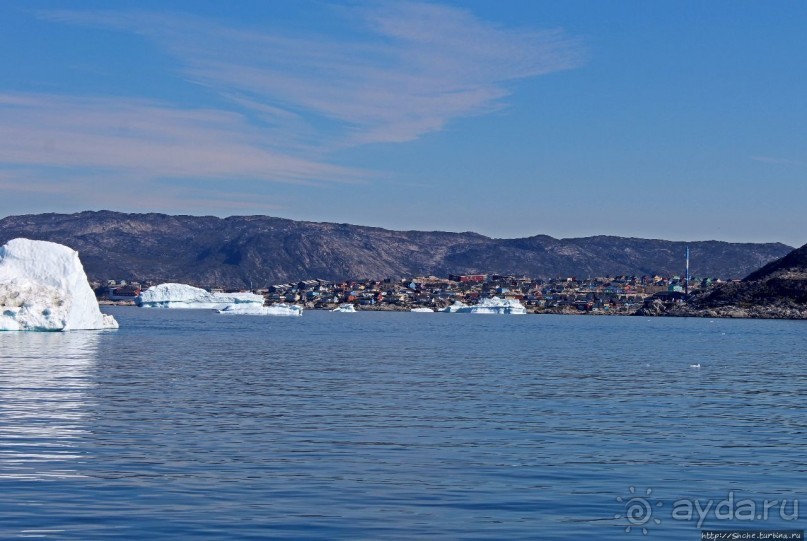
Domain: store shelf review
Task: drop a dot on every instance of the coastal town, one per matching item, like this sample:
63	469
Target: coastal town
615	295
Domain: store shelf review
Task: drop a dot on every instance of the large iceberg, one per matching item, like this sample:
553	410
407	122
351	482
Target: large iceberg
493	305
43	287
185	296
249	309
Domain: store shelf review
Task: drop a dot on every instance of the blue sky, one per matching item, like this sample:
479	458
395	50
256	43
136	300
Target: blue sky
676	120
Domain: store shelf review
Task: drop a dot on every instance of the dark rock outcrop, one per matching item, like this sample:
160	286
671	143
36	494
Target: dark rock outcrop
261	250
776	291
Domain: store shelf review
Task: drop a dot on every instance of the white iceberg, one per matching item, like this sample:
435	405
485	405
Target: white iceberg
493	305
346	308
248	309
185	296
456	307
43	287
422	310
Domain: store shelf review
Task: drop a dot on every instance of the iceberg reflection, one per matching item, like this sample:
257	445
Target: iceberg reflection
44	379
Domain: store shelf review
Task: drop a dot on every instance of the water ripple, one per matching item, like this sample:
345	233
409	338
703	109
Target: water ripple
185	425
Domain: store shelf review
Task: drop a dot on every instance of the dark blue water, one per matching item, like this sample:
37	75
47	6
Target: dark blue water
188	424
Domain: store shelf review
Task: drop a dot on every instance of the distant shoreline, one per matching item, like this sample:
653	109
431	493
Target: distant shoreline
725	314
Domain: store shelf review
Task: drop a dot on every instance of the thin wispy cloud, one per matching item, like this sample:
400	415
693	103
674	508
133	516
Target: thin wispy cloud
778	161
149	139
278	106
415	68
77	190
31	183
174	200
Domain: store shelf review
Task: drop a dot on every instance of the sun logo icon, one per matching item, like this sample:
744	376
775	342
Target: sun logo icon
638	510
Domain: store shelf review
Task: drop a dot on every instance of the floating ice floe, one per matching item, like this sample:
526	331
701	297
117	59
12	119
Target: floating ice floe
347	308
493	305
185	296
275	310
43	287
422	310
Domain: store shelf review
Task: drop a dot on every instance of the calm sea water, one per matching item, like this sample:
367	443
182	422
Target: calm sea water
188	424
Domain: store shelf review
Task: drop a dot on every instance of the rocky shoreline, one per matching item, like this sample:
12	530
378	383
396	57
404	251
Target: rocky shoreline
107	302
730	311
776	291
779	311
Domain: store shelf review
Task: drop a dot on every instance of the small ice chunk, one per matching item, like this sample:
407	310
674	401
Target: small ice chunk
248	309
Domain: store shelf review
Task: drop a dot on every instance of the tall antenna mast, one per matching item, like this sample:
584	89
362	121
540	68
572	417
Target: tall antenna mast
686	283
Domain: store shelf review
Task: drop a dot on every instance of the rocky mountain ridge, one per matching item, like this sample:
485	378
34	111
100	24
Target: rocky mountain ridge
263	250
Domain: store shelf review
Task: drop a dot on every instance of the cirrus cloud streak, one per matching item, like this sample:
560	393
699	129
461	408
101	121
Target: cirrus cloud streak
407	68
152	139
278	106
